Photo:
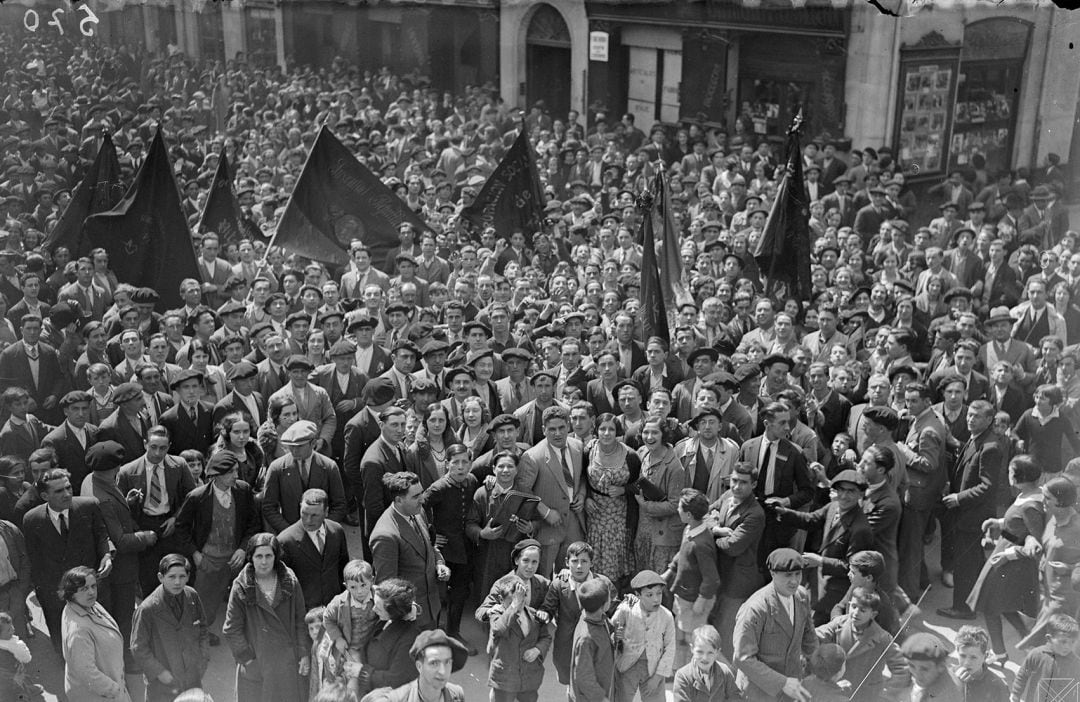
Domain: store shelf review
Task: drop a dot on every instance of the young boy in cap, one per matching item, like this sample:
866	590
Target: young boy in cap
693	574
927	657
517	646
975	680
707	677
869	647
827	666
646	630
592	660
1049	670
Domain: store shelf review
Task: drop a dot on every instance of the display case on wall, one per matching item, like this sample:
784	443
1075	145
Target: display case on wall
929	72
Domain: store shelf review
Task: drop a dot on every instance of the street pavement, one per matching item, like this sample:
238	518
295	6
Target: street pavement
219	681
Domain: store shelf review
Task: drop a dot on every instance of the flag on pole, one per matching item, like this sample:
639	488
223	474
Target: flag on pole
653	312
221	214
670	263
783	251
336	200
146	233
512	198
99	190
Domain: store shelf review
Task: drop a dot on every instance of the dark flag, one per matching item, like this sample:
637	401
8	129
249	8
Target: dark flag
512	198
670	263
221	214
653	312
783	251
336	200
146	233
100	189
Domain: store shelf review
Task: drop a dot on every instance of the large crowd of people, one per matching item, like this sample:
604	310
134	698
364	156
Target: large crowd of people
743	510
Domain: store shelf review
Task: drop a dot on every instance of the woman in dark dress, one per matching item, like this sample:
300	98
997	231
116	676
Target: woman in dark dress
1008	585
496	542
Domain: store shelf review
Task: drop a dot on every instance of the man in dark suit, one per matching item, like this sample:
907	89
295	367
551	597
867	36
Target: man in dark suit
600	392
360	432
191	421
244	377
344	383
740	523
105	459
783	475
272	372
315	548
214	272
371	359
881	504
22	433
970	500
63	533
93	299
868	219
127	425
384	456
631	353
74	436
289	477
157	401
218	554
35	366
401	546
1000	283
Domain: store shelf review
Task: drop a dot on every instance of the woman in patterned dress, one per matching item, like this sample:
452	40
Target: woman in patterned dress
660	529
612	466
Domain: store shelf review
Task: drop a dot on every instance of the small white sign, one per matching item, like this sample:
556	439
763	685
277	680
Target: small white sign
598	46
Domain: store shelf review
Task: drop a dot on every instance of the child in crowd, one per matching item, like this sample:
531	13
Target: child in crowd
706	678
692	574
1051	669
647	633
871	647
350	620
975	680
592	659
323	664
841	460
926	657
1042	428
196	462
517	645
14	655
827	666
563	602
865	569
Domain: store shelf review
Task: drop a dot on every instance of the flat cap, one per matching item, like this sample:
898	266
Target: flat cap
777	358
705	351
434	346
504	420
785	560
146	296
184	376
74	397
646	578
242	371
452	373
405	345
378	391
521	546
924	646
885	416
398	307
957	292
515	352
126	392
299	432
848	476
747	371
299	362
362	320
105	455
342	347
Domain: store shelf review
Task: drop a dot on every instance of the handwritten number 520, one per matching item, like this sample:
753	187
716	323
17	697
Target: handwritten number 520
32	20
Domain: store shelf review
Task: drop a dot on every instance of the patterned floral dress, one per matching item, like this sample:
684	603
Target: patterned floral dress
609	533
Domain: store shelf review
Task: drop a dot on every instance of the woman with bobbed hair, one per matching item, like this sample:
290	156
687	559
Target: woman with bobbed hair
282	413
235	436
93	646
264	625
387	653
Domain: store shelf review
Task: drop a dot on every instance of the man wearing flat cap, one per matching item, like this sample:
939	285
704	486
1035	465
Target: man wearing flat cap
243	398
773	631
928	663
73	436
191	420
385	455
289	477
127	425
312	402
403	355
437	656
343	382
214	526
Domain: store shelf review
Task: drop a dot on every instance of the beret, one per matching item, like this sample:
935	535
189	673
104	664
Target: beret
126	391
242	371
709	351
848	476
378	391
521	546
646	578
957	292
342	347
298	362
723	378
438	637
363	320
504	420
924	646
297	317
515	352
185	375
885	416
785	560
398	307
777	358
405	345
220	463
473	356
476	325
747	371
452	373
259	328
105	455
300	432
75	396
330	314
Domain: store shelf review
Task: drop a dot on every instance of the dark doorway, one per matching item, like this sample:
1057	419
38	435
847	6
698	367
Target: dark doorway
547	61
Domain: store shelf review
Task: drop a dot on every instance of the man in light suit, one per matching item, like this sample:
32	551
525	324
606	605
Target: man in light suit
315	548
162	482
552	470
401	546
191	421
74	436
35	366
384	456
62	533
707	458
289	477
92	298
773	631
361	274
783	474
531	413
312	403
739	525
213	271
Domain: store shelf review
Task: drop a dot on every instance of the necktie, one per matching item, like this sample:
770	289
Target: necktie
515	394
281	375
90	299
63	525
417	528
317	539
708	453
401	456
154	499
999	349
770	479
567	475
304	472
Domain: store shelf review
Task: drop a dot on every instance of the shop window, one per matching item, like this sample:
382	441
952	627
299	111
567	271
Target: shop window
768	106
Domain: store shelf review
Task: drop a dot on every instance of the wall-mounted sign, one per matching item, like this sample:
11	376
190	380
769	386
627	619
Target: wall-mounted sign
598	46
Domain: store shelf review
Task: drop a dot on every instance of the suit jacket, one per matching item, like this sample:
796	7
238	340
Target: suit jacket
117	428
792	473
218	276
1014	402
353	284
835	412
285	488
737	557
69	452
975	479
526	414
976	389
15	370
232	403
359	433
320	574
24	439
123	531
316	408
768	645
540	473
505	388
269	381
379	459
882	509
868	221
927	437
380	362
197	513
723	462
868	652
51	555
178	479
690	684
637	357
1000	287
102	300
345	403
186	434
843	535
597	396
399	551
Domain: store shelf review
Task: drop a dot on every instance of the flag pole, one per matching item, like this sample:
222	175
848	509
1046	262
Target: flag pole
793	132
